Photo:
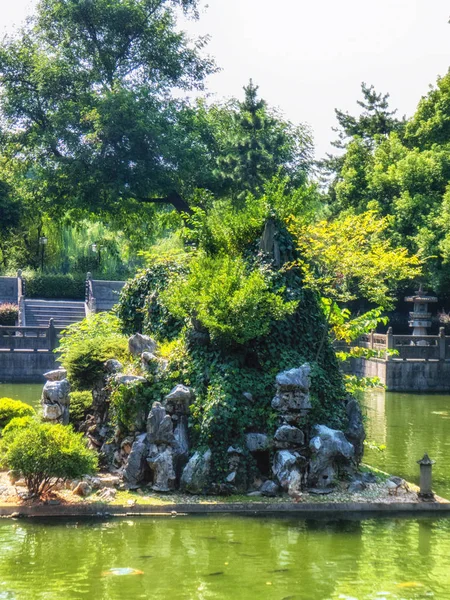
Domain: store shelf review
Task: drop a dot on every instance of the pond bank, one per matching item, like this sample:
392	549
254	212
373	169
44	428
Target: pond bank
308	509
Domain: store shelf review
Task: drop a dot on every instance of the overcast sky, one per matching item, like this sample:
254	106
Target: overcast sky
309	57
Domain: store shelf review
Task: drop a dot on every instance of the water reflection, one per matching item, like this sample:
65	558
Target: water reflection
409	425
223	558
27	392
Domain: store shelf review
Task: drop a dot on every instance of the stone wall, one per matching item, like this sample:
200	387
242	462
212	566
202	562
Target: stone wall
25	366
8	289
405	375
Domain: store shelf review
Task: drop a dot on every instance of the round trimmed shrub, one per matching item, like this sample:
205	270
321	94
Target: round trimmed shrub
10	409
44	454
18	423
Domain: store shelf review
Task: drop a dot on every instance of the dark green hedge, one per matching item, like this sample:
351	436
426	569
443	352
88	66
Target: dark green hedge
71	287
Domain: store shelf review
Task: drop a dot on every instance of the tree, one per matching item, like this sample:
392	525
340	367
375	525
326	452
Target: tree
251	143
375	119
352	258
87	102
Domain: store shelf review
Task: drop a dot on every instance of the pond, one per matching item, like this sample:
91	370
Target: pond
27	392
409	425
225	558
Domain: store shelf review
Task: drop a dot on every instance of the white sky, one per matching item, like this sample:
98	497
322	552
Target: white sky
310	57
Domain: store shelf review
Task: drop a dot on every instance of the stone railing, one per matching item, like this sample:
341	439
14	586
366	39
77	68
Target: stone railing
36	339
408	347
101	295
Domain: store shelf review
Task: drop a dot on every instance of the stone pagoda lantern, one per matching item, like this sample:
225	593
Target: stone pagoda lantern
420	317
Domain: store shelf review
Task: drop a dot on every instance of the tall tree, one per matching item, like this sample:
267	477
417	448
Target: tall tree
88	106
375	119
253	143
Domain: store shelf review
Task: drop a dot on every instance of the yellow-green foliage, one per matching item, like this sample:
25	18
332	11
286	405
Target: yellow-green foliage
44	453
18	423
10	409
353	257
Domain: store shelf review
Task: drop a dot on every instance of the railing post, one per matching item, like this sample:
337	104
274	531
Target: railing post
21	299
389	342
371	339
441	343
52	338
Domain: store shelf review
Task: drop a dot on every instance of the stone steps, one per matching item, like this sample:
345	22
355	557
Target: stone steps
63	312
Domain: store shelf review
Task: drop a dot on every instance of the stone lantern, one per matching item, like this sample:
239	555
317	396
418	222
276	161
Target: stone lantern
420	317
426	465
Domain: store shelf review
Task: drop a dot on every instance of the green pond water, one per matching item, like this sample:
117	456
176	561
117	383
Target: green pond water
409	425
226	558
237	558
27	392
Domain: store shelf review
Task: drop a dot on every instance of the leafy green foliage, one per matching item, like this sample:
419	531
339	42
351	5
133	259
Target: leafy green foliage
18	423
253	144
80	402
45	454
8	313
10	409
140	308
85	346
234	304
353	257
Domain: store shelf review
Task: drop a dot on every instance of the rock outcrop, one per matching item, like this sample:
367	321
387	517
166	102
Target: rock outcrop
55	399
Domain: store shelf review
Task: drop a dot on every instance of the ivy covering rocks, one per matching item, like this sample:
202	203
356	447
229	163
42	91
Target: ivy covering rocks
226	385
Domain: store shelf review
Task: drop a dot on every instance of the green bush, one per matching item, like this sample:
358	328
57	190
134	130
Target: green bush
38	285
8	314
18	423
140	309
235	304
10	409
86	345
45	454
80	402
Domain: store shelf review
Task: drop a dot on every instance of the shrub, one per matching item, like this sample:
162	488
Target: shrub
8	314
86	345
45	454
10	409
18	423
234	303
38	285
140	309
80	402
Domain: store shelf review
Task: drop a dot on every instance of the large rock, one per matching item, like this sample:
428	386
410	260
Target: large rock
330	450
113	366
292	396
136	467
288	436
160	461
159	426
55	401
138	343
181	444
257	442
177	402
269	488
287	465
56	374
295	378
355	432
195	477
